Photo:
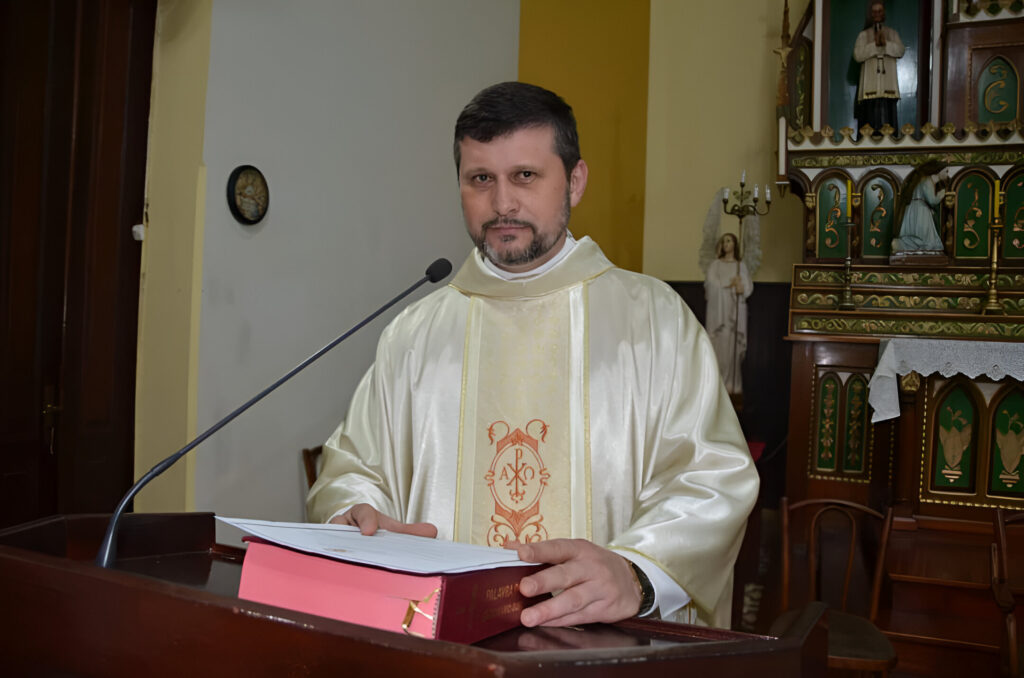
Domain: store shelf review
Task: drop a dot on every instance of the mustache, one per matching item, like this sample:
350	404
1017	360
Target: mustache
506	221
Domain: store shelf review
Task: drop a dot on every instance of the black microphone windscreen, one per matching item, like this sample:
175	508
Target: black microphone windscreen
439	270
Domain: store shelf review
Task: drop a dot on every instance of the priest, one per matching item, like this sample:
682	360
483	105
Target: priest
548	401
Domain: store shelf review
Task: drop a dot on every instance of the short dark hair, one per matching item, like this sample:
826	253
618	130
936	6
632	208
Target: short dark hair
510	106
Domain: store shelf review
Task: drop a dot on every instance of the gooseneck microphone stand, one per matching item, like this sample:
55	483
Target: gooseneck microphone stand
108	547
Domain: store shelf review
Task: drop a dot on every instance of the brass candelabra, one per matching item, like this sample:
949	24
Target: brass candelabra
744	202
992	305
846	298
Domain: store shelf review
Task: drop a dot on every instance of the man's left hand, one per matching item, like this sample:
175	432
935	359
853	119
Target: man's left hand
594	584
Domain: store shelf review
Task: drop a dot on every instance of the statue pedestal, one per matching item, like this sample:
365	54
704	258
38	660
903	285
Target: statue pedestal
919	259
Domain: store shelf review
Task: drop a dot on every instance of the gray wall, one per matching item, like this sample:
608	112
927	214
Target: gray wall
348	108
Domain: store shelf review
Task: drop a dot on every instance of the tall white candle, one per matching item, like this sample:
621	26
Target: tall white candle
782	147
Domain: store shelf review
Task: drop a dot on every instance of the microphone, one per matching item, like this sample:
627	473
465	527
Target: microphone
438	270
108	547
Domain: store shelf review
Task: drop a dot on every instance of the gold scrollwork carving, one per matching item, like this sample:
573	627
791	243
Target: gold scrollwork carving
994	91
910	382
910	327
1018	227
973	213
834	213
877	214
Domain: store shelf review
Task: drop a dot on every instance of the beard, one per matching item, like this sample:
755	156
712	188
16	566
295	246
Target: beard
538	246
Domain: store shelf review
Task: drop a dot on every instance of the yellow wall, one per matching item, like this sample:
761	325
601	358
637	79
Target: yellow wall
712	114
594	54
172	252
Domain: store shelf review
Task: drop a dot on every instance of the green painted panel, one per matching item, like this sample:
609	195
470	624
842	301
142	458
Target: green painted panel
856	444
954	451
832	219
847	18
878	211
973	214
828	423
997	92
1013	218
1007	446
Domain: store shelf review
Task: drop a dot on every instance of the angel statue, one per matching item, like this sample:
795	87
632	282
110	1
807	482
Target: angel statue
727	269
915	209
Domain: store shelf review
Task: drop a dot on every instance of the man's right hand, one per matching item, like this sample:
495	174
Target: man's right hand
369	520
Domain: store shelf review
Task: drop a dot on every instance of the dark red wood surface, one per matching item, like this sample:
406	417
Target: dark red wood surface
168	609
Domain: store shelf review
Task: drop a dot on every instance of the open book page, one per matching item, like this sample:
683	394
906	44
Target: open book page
403	552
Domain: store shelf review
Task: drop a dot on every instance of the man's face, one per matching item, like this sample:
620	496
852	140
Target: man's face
516	198
878	13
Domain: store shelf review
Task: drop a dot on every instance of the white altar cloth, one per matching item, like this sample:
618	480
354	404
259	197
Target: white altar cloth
994	359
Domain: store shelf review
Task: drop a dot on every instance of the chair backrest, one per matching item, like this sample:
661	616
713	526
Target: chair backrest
817	522
1001	588
1001	569
310	460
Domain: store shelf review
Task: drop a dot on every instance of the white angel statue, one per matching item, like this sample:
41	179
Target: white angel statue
727	269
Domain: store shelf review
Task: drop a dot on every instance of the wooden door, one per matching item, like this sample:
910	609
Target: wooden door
74	107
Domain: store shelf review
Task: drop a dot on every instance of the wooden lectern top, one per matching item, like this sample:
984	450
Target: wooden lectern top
170	607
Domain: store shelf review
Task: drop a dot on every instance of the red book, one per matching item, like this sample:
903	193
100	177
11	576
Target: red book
462	608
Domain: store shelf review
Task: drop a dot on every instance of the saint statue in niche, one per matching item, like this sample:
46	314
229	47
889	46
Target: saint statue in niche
877	48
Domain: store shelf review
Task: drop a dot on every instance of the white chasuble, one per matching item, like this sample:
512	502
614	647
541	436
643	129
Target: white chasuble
584	402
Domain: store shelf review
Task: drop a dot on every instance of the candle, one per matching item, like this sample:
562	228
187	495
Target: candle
743	177
849	198
782	147
767	193
725	198
997	196
755	191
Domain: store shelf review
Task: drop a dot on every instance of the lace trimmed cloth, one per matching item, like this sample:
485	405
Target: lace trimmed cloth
994	359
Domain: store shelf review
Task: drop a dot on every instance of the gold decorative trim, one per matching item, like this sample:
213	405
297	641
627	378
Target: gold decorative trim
926	463
812	454
802	160
462	414
1007	282
885	301
907	149
910	382
886	326
586	405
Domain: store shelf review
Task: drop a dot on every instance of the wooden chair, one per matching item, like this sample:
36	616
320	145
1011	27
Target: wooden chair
1003	592
854	642
310	460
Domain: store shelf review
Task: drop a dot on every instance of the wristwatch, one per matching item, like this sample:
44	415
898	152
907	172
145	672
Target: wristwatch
646	590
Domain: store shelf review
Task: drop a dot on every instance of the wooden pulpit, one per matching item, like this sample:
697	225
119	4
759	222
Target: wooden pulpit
170	607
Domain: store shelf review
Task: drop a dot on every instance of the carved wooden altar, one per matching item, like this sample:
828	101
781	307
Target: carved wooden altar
954	453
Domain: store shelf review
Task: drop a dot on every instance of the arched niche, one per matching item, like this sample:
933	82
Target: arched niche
1006	441
973	191
833	209
856	441
1013	215
955	429
827	435
998	92
878	206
